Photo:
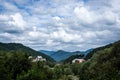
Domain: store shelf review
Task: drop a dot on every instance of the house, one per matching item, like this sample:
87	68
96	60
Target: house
30	57
78	60
38	58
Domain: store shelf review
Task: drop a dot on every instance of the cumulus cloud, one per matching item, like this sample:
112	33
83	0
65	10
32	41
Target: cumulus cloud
14	22
17	20
3	18
55	24
84	15
64	36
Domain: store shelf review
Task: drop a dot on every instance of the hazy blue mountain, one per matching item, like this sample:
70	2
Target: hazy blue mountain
47	52
62	55
87	51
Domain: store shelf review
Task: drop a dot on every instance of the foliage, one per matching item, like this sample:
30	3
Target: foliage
12	64
103	65
97	49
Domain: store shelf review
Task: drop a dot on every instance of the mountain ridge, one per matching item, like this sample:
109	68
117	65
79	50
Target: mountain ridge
7	47
91	53
61	54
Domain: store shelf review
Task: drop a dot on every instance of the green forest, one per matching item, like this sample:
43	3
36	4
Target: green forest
101	64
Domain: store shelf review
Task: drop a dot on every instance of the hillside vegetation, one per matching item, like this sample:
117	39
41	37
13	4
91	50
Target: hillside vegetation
104	64
9	47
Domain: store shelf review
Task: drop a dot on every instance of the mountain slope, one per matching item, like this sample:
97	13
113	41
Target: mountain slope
102	64
89	52
47	52
98	49
62	55
17	46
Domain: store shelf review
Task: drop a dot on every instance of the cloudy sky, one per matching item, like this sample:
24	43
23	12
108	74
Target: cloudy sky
60	24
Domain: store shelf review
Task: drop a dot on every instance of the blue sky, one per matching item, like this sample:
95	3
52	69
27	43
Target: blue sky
60	24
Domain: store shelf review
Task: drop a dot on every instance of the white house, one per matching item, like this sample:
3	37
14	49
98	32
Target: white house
38	58
78	60
30	57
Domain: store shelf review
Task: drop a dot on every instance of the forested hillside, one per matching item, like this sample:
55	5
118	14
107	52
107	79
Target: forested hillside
100	48
104	64
9	47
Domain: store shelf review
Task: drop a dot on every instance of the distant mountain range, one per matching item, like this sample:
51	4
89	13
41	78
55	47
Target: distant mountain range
91	52
53	56
49	55
8	47
62	55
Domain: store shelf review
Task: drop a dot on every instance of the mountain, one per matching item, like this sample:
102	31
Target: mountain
62	55
103	63
69	59
90	53
87	51
47	52
17	46
82	55
99	49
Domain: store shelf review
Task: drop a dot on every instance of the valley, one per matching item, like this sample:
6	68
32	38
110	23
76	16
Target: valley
100	63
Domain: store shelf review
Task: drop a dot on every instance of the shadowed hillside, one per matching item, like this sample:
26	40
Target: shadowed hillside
7	47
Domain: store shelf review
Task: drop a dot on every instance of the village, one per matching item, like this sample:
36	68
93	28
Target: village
40	58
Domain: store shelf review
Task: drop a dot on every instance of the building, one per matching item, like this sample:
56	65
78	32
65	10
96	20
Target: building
30	57
78	60
38	58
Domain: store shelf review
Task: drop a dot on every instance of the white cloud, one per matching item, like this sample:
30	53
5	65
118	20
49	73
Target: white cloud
21	2
51	43
115	5
56	24
110	17
89	35
34	34
56	18
37	33
8	6
61	34
4	18
17	20
85	15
